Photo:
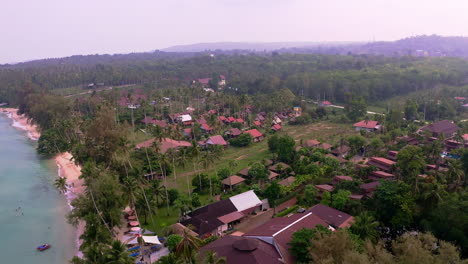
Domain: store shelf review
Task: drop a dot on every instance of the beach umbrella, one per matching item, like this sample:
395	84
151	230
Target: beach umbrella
134	223
135	229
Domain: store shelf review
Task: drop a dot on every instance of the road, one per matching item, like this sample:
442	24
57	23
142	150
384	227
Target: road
369	112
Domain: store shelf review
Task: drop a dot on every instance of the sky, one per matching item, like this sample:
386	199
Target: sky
35	29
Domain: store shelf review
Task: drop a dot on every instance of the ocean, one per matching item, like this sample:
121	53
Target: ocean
32	211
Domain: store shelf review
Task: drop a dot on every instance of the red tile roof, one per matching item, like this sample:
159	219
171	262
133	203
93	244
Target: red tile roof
382	174
445	126
240	120
369	187
231	119
276	127
235	132
222	118
326	103
366	124
204	80
383	161
254	132
257	123
217	140
206	127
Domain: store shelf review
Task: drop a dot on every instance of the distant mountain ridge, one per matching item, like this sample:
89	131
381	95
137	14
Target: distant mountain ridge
255	46
423	46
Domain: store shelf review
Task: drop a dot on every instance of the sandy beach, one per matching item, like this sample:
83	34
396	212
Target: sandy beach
66	167
21	122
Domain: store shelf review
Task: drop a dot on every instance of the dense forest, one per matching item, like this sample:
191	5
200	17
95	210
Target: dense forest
331	77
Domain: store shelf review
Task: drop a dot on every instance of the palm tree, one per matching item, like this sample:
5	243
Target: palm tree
365	227
158	190
212	258
432	194
186	248
118	254
170	259
61	184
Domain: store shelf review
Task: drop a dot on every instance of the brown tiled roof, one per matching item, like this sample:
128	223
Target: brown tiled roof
272	175
254	132
325	146
287	182
311	143
231	217
445	126
369	187
325	187
244	172
243	250
205	219
281	229
233	180
382	174
235	131
332	216
343	178
275	167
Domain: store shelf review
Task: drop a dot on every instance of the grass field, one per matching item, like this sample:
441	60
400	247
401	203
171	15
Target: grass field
243	157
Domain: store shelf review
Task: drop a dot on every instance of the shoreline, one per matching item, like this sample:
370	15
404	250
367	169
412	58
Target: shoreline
66	167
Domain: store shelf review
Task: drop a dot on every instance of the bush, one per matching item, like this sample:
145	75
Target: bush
172	241
288	211
241	141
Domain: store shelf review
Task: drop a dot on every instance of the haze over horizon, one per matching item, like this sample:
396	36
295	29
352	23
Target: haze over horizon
52	28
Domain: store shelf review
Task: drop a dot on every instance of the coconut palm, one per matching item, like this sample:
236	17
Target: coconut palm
118	254
365	227
61	184
212	258
186	248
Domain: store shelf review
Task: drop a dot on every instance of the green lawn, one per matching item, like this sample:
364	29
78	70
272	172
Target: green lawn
244	157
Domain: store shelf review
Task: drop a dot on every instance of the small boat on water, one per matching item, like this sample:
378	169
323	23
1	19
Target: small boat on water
43	247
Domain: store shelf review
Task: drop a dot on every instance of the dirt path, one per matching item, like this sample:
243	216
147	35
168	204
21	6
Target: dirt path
189	173
242	157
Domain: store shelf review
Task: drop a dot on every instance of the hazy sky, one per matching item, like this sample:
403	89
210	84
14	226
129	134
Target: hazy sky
32	29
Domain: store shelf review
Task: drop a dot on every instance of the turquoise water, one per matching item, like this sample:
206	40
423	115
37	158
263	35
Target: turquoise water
26	181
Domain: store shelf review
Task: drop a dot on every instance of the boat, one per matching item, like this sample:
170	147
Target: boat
43	247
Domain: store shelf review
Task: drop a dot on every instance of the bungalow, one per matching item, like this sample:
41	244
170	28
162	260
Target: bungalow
205	82
186	120
444	127
325	146
239	120
367	125
272	176
222	119
257	123
187	132
206	128
244	172
216	218
278	232
279	167
222	80
324	188
381	175
217	140
257	136
233	133
341	151
232	182
331	216
369	188
287	182
391	155
231	119
382	163
338	179
276	127
311	143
